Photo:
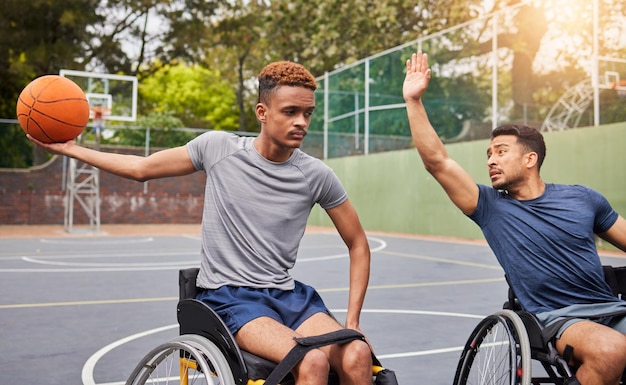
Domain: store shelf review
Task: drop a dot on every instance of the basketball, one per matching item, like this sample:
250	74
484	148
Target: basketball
53	109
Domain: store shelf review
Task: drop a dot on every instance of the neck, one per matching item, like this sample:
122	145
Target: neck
528	191
271	151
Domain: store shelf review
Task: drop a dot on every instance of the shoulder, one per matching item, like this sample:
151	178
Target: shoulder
211	146
308	163
215	136
488	192
571	190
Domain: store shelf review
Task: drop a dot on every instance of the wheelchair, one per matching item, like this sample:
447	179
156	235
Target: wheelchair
501	348
205	351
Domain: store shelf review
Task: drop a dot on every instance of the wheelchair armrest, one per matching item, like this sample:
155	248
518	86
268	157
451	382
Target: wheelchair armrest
195	317
187	283
534	330
616	278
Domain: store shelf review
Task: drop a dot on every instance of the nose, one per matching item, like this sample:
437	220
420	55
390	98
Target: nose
301	121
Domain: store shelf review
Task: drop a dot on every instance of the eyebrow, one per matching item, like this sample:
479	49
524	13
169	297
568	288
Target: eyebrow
497	145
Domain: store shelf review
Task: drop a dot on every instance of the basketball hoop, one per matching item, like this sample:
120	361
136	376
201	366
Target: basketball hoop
98	115
620	88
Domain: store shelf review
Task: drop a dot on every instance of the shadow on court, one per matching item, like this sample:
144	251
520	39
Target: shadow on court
85	309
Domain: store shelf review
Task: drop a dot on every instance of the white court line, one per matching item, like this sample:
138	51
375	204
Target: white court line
91	241
97	267
88	368
129	264
139	253
182	265
90	364
382	245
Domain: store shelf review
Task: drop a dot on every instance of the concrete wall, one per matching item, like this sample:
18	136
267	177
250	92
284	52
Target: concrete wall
392	191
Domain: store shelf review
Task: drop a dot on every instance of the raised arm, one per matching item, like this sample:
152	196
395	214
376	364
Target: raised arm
166	163
458	184
347	222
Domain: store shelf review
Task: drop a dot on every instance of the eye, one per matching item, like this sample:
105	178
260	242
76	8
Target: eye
308	114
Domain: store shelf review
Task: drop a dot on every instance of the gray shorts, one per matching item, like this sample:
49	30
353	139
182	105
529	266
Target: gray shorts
583	312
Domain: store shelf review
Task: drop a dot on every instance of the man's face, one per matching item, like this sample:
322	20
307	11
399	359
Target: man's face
506	162
287	115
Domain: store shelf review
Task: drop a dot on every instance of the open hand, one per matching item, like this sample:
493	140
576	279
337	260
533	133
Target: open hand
417	77
53	148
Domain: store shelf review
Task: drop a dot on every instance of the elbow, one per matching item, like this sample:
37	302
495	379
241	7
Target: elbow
138	176
433	168
142	176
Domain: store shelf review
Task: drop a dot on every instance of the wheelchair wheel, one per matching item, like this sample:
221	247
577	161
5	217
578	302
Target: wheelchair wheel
496	353
185	360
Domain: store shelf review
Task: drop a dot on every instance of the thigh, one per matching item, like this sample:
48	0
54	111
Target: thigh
319	323
322	323
267	338
588	339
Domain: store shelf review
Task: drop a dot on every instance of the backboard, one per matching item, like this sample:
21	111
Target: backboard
117	94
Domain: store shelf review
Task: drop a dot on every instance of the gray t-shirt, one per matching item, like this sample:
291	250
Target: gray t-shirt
256	210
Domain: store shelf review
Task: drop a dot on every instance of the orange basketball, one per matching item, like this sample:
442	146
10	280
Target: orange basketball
53	109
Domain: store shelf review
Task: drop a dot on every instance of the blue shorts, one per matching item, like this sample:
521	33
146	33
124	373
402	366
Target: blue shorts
583	312
240	305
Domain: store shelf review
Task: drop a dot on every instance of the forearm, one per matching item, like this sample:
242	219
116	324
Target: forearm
426	140
161	164
359	279
126	166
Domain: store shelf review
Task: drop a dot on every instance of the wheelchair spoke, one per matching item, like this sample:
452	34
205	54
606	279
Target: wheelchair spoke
186	360
493	355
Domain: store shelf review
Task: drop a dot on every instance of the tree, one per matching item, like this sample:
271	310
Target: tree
162	129
38	38
199	97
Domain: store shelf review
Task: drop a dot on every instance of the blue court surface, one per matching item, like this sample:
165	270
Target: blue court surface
84	309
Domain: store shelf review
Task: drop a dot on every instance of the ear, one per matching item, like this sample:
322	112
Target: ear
531	159
261	111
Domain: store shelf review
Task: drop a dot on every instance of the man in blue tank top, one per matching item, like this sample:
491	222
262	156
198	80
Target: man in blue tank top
258	196
542	234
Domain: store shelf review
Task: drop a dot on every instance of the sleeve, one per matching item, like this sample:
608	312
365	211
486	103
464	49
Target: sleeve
328	191
605	215
480	215
204	150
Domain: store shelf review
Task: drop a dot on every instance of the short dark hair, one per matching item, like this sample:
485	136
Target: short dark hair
530	139
283	73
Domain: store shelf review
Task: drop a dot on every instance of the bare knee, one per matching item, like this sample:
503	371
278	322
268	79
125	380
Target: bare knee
356	363
357	354
605	361
613	357
312	369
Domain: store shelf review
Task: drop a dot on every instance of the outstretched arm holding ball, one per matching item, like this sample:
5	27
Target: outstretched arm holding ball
258	197
166	163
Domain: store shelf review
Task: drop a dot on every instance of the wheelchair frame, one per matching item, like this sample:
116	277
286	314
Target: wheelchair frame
205	352
501	348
